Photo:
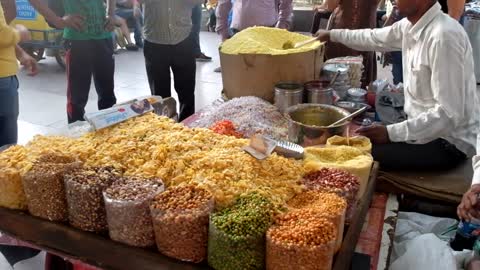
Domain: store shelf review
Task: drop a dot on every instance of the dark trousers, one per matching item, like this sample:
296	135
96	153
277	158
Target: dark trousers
435	155
87	58
196	26
159	59
8	110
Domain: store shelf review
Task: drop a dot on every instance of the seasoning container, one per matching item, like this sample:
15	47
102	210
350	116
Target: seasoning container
319	92
357	95
300	240
342	83
127	205
180	220
44	187
288	94
236	237
84	188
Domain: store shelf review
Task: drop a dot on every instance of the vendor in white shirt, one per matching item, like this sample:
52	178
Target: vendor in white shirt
440	88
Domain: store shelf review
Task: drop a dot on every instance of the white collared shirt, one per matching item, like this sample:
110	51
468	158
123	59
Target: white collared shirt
439	80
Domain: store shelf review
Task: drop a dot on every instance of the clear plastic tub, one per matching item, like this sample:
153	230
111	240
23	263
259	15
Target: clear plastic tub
45	190
84	188
231	253
183	234
127	204
281	256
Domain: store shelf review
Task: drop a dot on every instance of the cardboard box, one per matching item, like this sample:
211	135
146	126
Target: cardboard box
257	74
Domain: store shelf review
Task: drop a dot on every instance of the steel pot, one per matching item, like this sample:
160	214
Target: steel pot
319	92
288	94
307	123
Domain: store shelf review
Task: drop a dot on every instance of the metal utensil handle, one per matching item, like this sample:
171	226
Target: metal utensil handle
349	116
334	78
303	43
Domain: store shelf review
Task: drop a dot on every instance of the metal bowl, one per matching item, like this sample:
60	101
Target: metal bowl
307	123
352	106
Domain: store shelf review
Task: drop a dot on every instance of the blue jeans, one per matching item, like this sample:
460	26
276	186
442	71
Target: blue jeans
8	110
196	26
127	14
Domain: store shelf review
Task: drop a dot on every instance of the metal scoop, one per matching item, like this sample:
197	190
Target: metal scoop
261	147
357	112
289	44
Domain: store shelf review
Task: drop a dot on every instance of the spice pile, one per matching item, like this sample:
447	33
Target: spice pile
237	234
226	127
152	146
183	209
265	40
250	115
301	239
127	204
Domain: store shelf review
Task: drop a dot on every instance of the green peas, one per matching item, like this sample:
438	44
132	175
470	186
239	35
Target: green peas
237	234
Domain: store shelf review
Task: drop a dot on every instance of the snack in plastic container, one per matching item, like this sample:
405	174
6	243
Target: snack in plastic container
11	189
327	205
180	220
44	186
127	204
300	240
336	181
236	237
84	187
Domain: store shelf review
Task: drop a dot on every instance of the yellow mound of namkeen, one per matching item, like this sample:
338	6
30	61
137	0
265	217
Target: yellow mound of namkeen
345	158
359	142
265	40
154	146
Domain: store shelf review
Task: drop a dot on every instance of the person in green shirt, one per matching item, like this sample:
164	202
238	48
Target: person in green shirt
88	27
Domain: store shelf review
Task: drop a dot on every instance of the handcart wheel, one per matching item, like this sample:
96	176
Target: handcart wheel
37	54
60	57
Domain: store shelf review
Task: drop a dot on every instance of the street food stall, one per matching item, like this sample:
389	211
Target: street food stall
239	185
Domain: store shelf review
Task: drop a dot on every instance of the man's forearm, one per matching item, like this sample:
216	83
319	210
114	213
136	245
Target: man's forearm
111	5
456	8
49	15
9	9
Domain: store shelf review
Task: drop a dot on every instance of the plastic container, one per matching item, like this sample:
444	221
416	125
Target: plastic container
45	190
228	253
130	221
183	234
282	256
86	208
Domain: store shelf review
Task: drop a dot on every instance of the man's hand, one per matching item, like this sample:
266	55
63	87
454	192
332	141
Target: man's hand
378	134
323	35
109	23
71	21
466	210
24	33
137	12
29	64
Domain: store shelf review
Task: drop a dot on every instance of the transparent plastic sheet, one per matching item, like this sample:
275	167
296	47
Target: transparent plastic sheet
130	222
86	207
11	188
183	235
355	71
228	253
251	115
281	256
45	190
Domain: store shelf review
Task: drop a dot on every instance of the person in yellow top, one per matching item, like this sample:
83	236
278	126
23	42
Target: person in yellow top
10	37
